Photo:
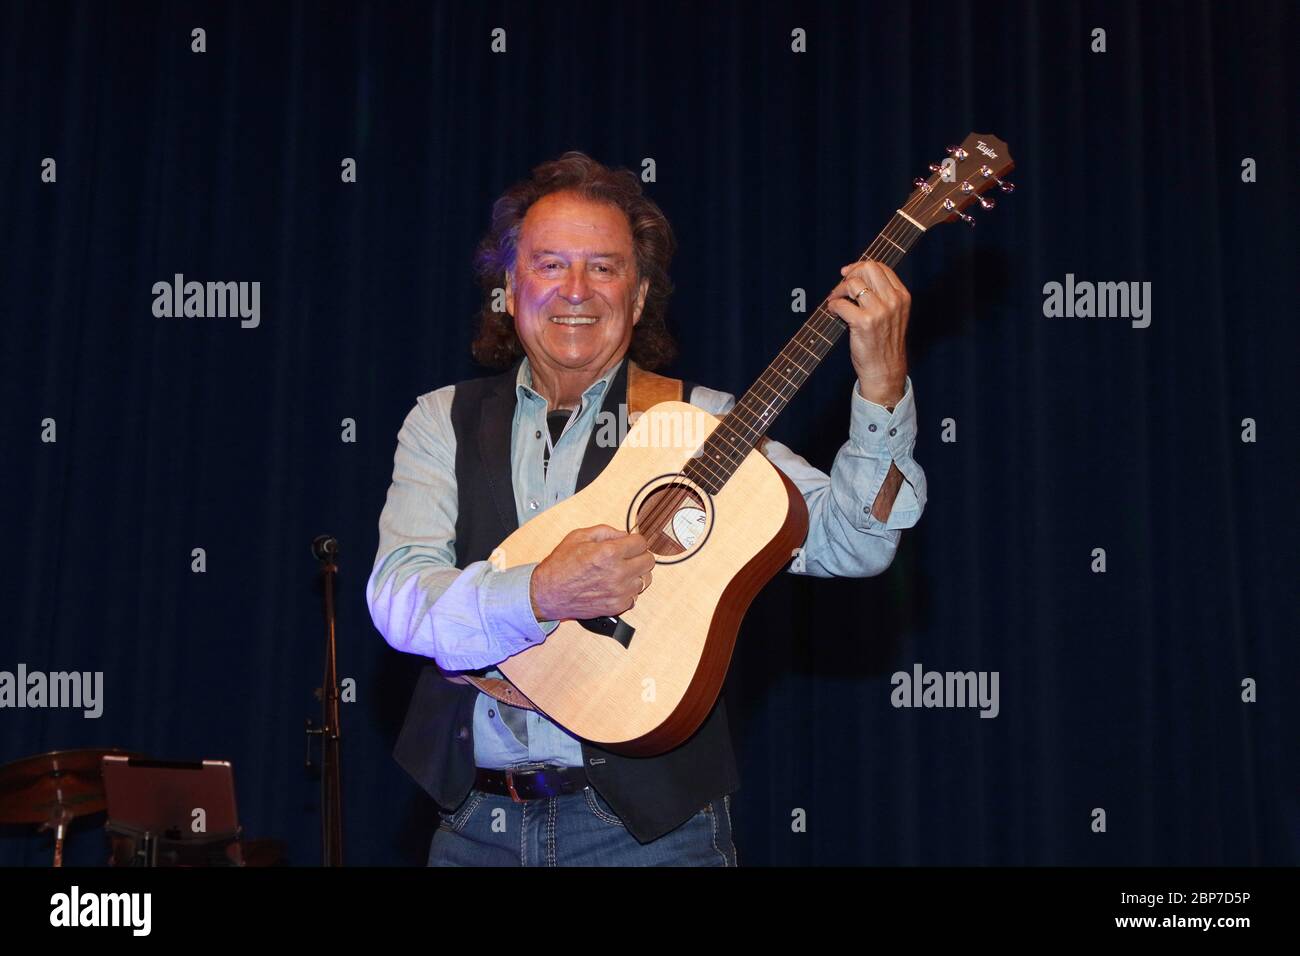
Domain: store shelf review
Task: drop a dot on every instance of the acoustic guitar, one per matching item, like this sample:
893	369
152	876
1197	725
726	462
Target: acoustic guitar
720	519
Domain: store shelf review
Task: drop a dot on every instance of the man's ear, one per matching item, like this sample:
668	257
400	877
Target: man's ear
510	292
642	289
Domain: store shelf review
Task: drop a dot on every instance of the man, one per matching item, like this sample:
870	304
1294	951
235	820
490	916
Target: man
580	259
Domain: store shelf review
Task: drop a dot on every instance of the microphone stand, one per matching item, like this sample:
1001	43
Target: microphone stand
326	548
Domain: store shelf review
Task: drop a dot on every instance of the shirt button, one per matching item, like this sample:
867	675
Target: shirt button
538	433
532	504
893	432
491	713
867	510
871	427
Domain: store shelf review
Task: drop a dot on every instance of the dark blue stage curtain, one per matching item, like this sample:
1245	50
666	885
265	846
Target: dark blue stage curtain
1120	691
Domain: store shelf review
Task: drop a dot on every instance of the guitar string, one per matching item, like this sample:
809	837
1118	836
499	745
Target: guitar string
663	509
740	411
893	231
743	414
660	512
671	503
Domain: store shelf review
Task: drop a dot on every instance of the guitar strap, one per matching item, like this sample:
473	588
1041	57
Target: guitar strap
644	390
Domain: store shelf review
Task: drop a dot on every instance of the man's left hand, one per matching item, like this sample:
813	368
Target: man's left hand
877	321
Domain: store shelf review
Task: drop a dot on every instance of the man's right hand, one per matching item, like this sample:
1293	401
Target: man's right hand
593	572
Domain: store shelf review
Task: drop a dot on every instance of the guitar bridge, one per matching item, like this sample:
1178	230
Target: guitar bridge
613	627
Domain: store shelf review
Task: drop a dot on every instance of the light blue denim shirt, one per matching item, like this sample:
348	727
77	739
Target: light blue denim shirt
476	617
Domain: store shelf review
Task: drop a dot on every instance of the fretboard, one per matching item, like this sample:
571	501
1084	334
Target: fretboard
744	426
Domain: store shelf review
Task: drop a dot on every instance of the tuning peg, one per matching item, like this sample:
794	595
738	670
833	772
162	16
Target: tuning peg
922	185
985	203
988	174
950	206
936	168
957	153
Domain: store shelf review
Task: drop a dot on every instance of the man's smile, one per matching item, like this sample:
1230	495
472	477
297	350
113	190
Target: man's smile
574	319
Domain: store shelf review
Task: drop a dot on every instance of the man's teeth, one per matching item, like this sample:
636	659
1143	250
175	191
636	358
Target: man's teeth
574	319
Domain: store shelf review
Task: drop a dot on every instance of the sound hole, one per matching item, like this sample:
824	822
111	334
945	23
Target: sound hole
672	519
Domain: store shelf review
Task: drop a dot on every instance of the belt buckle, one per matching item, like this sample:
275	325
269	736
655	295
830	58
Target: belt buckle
510	786
510	778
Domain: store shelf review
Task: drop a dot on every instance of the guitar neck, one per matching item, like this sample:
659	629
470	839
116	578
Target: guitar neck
744	426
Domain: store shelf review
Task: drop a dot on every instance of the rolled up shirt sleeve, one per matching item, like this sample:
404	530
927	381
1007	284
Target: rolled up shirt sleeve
419	600
877	438
844	538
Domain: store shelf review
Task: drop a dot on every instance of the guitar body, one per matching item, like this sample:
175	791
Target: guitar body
644	686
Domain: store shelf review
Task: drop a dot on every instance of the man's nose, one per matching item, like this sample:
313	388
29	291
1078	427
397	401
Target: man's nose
576	287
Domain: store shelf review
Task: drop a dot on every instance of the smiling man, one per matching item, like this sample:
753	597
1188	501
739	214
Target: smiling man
582	257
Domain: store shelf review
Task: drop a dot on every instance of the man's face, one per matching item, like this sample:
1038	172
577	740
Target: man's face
574	291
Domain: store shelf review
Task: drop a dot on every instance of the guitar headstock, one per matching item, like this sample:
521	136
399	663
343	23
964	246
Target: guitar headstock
971	169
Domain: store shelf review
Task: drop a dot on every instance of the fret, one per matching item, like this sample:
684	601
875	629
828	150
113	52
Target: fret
894	244
829	342
730	422
795	358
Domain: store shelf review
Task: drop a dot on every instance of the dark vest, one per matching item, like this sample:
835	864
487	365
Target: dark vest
651	795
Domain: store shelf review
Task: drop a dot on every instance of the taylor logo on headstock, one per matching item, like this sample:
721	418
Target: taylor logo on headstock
972	176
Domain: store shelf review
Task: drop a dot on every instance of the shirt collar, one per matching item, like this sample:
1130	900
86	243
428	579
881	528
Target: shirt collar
524	382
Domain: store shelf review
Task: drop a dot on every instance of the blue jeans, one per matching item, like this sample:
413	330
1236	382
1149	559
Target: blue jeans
577	829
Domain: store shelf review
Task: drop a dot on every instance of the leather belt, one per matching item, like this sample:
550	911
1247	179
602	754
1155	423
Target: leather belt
532	782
